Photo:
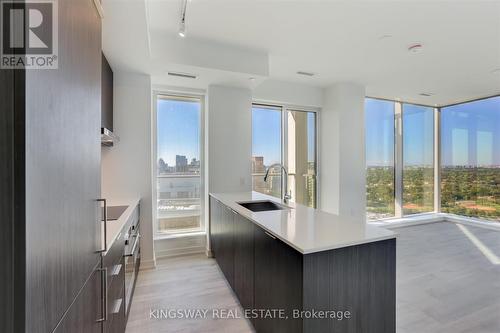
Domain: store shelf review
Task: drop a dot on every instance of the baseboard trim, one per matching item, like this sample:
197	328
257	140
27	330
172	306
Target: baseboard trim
148	264
473	222
180	251
435	218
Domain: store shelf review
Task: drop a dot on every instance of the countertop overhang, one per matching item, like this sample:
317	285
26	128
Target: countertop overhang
306	229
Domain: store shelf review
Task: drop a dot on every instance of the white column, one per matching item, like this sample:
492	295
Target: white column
342	151
229	139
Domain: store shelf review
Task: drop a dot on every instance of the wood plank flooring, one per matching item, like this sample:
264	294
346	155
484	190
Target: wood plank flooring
445	284
187	282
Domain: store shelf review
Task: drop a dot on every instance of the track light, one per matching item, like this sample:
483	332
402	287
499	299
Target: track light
182	23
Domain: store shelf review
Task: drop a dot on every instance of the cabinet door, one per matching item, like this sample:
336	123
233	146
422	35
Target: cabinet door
83	314
63	153
278	282
215	221
115	321
226	251
244	260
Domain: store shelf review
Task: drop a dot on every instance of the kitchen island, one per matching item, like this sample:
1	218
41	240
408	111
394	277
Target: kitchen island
298	269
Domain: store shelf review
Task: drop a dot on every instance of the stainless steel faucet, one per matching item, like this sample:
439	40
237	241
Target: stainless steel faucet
286	196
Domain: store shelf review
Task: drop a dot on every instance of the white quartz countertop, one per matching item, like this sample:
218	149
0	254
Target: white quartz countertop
307	230
115	226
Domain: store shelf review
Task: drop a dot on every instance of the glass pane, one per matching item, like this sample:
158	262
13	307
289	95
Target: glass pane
470	148
418	159
379	134
178	179
301	155
266	149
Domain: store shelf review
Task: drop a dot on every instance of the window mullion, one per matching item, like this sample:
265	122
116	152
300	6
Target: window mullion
398	161
437	160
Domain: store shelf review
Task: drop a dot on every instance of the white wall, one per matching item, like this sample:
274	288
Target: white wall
342	151
229	139
290	93
126	167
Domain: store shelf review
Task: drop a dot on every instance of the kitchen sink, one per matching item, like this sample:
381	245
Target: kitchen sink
262	206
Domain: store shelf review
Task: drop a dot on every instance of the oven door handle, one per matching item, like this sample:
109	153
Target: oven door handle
133	246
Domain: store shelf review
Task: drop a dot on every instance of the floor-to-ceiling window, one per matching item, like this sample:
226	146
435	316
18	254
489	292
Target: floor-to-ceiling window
285	136
470	159
266	148
379	134
411	169
178	138
418	159
301	156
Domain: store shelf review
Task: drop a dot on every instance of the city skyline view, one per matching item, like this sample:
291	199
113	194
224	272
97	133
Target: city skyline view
178	130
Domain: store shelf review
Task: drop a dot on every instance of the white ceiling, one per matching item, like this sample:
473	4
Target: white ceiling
338	40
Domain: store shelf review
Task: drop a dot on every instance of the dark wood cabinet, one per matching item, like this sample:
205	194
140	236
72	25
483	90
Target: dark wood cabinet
225	239
244	261
113	265
267	274
215	224
63	169
54	146
278	283
107	95
84	314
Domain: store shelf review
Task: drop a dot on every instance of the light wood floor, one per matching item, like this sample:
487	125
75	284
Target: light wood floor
445	283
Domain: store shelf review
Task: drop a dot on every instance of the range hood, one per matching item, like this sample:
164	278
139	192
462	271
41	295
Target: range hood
108	138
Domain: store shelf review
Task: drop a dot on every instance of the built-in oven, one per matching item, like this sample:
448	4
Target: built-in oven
132	262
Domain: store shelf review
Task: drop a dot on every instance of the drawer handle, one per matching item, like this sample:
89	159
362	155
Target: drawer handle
104	294
105	215
269	235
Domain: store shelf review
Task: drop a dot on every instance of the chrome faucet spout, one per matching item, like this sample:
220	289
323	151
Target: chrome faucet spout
286	196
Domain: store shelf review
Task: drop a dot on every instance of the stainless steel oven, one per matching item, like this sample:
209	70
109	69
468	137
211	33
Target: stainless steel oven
132	262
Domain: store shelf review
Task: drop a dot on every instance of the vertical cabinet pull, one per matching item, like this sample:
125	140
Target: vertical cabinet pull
104	294
105	214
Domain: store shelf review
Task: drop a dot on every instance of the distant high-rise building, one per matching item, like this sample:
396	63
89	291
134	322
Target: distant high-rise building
180	163
258	164
162	166
194	166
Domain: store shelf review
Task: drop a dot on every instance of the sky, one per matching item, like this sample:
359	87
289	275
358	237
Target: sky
266	134
470	133
178	130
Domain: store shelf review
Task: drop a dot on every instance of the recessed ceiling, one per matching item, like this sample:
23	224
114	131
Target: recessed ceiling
357	41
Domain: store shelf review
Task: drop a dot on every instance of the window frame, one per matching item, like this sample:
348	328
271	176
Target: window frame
398	152
402	164
186	96
399	162
284	108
